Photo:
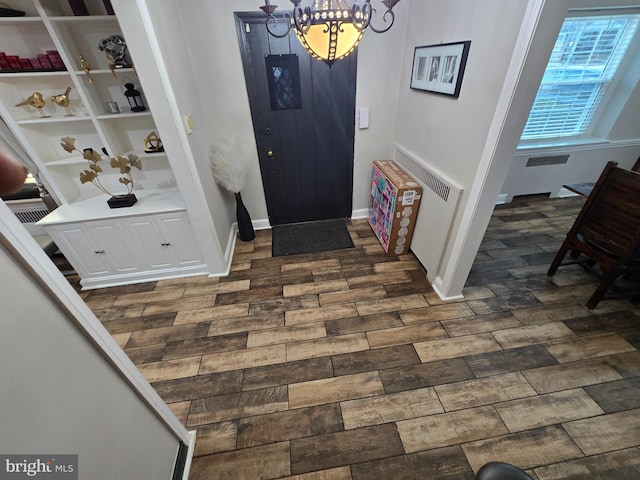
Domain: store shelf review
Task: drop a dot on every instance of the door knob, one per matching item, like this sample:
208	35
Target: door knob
270	153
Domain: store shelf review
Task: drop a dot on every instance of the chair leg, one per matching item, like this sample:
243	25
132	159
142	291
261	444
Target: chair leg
558	259
605	283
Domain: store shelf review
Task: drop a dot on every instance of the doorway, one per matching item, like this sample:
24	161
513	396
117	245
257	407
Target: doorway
303	114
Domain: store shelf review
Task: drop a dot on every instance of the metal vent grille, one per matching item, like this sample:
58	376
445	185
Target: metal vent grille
31	216
436	185
548	160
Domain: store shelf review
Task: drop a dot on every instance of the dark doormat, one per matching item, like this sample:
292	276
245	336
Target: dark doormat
310	237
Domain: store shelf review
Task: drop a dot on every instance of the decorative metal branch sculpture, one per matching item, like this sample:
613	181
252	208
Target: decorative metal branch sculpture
91	175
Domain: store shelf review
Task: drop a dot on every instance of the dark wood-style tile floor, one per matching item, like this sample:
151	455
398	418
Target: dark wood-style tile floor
346	365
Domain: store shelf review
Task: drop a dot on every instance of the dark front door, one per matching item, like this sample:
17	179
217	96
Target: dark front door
304	123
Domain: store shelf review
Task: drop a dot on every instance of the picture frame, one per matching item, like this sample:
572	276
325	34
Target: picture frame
440	68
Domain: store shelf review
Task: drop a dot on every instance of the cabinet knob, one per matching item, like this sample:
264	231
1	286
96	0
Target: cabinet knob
99	252
165	244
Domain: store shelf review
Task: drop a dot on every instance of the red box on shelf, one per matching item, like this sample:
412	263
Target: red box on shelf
25	63
44	61
14	62
35	64
55	59
4	64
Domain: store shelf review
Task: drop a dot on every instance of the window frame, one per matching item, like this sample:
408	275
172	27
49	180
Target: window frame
588	137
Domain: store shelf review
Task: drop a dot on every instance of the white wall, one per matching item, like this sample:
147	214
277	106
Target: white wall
60	394
380	68
446	132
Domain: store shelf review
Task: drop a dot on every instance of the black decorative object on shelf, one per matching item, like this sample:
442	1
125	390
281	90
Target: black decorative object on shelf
7	11
78	7
119	201
134	98
115	47
108	7
245	227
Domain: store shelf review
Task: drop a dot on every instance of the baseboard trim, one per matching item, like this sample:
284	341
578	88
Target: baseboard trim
231	244
564	193
262	224
229	251
436	285
139	277
360	213
502	199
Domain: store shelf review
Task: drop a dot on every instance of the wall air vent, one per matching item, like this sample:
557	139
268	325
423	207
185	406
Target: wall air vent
428	179
31	216
548	160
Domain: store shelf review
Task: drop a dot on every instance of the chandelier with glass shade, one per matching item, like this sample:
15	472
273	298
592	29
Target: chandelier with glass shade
329	29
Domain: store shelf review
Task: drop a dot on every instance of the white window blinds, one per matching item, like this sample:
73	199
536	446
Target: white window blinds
584	60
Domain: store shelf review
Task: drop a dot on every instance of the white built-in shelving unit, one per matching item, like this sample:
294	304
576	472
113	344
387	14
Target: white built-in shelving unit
51	25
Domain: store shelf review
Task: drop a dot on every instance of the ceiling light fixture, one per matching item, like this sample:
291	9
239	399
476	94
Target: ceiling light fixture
329	29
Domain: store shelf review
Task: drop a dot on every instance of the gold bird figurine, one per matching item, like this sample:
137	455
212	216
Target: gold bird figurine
62	100
87	69
36	101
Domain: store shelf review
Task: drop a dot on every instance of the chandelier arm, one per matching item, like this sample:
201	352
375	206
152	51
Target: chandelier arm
384	18
272	22
360	13
298	18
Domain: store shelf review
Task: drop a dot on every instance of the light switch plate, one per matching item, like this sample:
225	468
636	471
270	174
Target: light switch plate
189	123
364	118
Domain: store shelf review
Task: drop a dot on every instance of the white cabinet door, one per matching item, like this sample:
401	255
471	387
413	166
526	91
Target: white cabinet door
120	252
96	249
164	240
87	258
179	239
152	247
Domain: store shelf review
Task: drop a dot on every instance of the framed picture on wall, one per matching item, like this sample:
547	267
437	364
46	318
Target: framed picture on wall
440	68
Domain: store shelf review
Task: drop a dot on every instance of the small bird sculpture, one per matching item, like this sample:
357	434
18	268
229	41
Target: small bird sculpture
87	69
62	100
36	101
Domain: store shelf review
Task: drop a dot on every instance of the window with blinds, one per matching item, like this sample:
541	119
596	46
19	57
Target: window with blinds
584	61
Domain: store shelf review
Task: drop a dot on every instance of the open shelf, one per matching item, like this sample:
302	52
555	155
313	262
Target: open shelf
50	25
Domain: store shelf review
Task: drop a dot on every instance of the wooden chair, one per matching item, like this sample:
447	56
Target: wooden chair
607	229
